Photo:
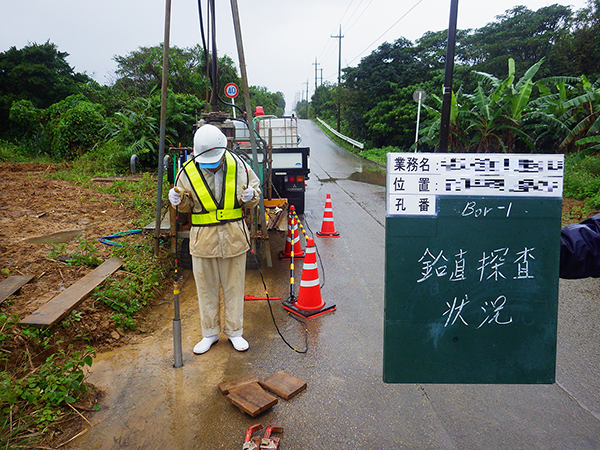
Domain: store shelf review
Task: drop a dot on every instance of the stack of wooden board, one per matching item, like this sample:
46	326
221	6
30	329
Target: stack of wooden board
249	396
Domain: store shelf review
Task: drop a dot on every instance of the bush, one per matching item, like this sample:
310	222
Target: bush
74	126
65	130
379	155
582	178
107	158
28	126
10	152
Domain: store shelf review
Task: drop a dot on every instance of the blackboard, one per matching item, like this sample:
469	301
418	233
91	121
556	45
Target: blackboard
471	285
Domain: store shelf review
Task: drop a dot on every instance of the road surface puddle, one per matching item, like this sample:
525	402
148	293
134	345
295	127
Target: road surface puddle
370	176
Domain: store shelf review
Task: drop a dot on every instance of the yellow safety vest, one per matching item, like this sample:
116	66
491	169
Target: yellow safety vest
228	210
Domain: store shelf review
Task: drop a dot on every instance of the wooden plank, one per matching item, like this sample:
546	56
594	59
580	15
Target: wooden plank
251	399
284	385
61	305
12	284
231	385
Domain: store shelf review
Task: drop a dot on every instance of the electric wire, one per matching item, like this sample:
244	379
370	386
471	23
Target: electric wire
344	26
347	8
211	68
384	33
358	18
262	278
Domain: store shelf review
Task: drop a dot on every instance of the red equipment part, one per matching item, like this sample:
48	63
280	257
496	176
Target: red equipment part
269	443
251	443
252	297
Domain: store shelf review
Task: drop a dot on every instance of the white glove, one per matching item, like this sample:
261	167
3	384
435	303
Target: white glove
248	194
174	197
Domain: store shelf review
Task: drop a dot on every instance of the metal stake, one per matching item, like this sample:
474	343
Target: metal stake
163	122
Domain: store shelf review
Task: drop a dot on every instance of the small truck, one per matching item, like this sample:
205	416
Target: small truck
287	163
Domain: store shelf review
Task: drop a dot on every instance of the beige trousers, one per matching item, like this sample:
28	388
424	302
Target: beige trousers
226	273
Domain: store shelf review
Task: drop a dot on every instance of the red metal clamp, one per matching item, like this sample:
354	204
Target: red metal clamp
251	443
267	442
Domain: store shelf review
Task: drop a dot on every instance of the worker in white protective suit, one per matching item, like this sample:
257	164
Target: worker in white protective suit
214	187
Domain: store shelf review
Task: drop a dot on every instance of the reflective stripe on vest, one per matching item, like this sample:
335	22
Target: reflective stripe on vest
213	213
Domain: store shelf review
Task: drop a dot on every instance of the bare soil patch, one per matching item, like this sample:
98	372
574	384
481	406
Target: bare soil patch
34	205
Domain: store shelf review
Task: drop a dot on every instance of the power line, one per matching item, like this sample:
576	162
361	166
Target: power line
347	8
358	18
385	32
328	43
352	15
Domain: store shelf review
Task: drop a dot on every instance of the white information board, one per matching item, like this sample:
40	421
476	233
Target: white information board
416	180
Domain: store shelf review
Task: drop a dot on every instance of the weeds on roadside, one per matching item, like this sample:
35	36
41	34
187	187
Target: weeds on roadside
582	179
139	196
85	255
144	274
38	384
34	394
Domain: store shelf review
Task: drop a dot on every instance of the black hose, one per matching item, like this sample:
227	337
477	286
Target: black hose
208	65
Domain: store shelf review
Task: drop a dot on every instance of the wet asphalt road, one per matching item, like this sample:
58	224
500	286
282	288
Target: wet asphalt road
150	405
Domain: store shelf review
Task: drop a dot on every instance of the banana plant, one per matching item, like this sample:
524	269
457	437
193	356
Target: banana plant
584	112
548	119
429	134
491	118
496	120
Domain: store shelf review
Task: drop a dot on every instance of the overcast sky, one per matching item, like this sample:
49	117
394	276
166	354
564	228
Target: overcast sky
282	38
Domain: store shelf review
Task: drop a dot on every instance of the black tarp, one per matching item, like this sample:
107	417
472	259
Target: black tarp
580	249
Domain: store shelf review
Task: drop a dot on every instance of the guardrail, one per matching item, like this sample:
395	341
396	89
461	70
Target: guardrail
341	136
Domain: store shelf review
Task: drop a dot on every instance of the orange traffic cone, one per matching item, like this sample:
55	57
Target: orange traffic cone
328	228
292	239
309	302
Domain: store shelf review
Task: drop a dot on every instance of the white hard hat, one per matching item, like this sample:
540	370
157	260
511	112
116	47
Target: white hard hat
209	146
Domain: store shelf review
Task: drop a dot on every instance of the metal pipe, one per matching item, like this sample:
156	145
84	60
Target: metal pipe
242	60
163	122
177	350
178	358
133	161
161	162
214	104
447	94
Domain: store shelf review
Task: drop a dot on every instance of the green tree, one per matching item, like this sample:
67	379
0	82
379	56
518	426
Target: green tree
140	72
37	73
392	122
301	109
579	54
323	103
521	34
583	112
271	102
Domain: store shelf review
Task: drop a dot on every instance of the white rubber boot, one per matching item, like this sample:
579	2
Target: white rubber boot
205	344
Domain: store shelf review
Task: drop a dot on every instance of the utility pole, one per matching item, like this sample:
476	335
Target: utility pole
339	37
447	94
306	98
316	64
321	77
